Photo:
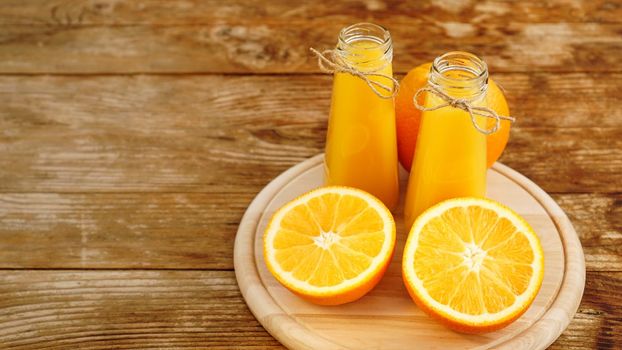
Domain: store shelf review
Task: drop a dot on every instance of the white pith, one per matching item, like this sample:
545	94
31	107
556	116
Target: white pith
326	239
473	257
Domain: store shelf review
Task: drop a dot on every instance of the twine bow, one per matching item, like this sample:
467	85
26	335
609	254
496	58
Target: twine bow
464	105
330	62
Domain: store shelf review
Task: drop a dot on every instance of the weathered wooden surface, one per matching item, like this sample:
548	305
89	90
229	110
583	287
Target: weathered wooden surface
109	12
234	134
198	309
130	309
103	167
108	36
197	230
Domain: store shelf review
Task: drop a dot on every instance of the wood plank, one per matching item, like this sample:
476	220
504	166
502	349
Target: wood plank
197	230
121	230
104	37
597	220
111	12
567	160
189	309
181	134
123	310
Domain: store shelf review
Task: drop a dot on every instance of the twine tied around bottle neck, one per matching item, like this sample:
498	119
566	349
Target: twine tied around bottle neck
330	62
464	105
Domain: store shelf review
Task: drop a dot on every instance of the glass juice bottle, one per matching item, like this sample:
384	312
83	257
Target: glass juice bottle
361	146
450	156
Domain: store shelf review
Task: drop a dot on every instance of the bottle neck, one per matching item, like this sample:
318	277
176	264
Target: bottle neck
365	46
460	75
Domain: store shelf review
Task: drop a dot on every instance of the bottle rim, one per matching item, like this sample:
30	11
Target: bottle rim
456	60
475	78
359	55
366	30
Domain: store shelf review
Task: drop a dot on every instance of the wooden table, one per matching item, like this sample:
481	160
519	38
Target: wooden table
133	135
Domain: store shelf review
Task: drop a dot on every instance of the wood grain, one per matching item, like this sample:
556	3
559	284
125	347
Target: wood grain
181	134
119	230
221	37
155	171
197	230
597	219
125	309
190	309
111	12
69	136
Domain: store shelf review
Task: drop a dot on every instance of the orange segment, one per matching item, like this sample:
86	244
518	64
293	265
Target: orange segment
300	219
331	245
472	263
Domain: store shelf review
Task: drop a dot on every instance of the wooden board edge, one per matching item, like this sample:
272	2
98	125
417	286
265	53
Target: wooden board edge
259	301
555	320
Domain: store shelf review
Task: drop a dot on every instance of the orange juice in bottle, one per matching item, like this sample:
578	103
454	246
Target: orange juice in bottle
361	146
450	156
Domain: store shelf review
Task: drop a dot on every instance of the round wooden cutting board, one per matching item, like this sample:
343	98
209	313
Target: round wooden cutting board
386	318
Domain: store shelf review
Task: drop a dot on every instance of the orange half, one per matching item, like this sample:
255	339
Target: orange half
473	264
331	245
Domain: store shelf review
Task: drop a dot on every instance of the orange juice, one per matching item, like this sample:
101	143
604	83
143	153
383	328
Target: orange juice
450	156
361	146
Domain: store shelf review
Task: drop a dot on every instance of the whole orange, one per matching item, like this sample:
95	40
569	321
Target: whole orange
408	116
